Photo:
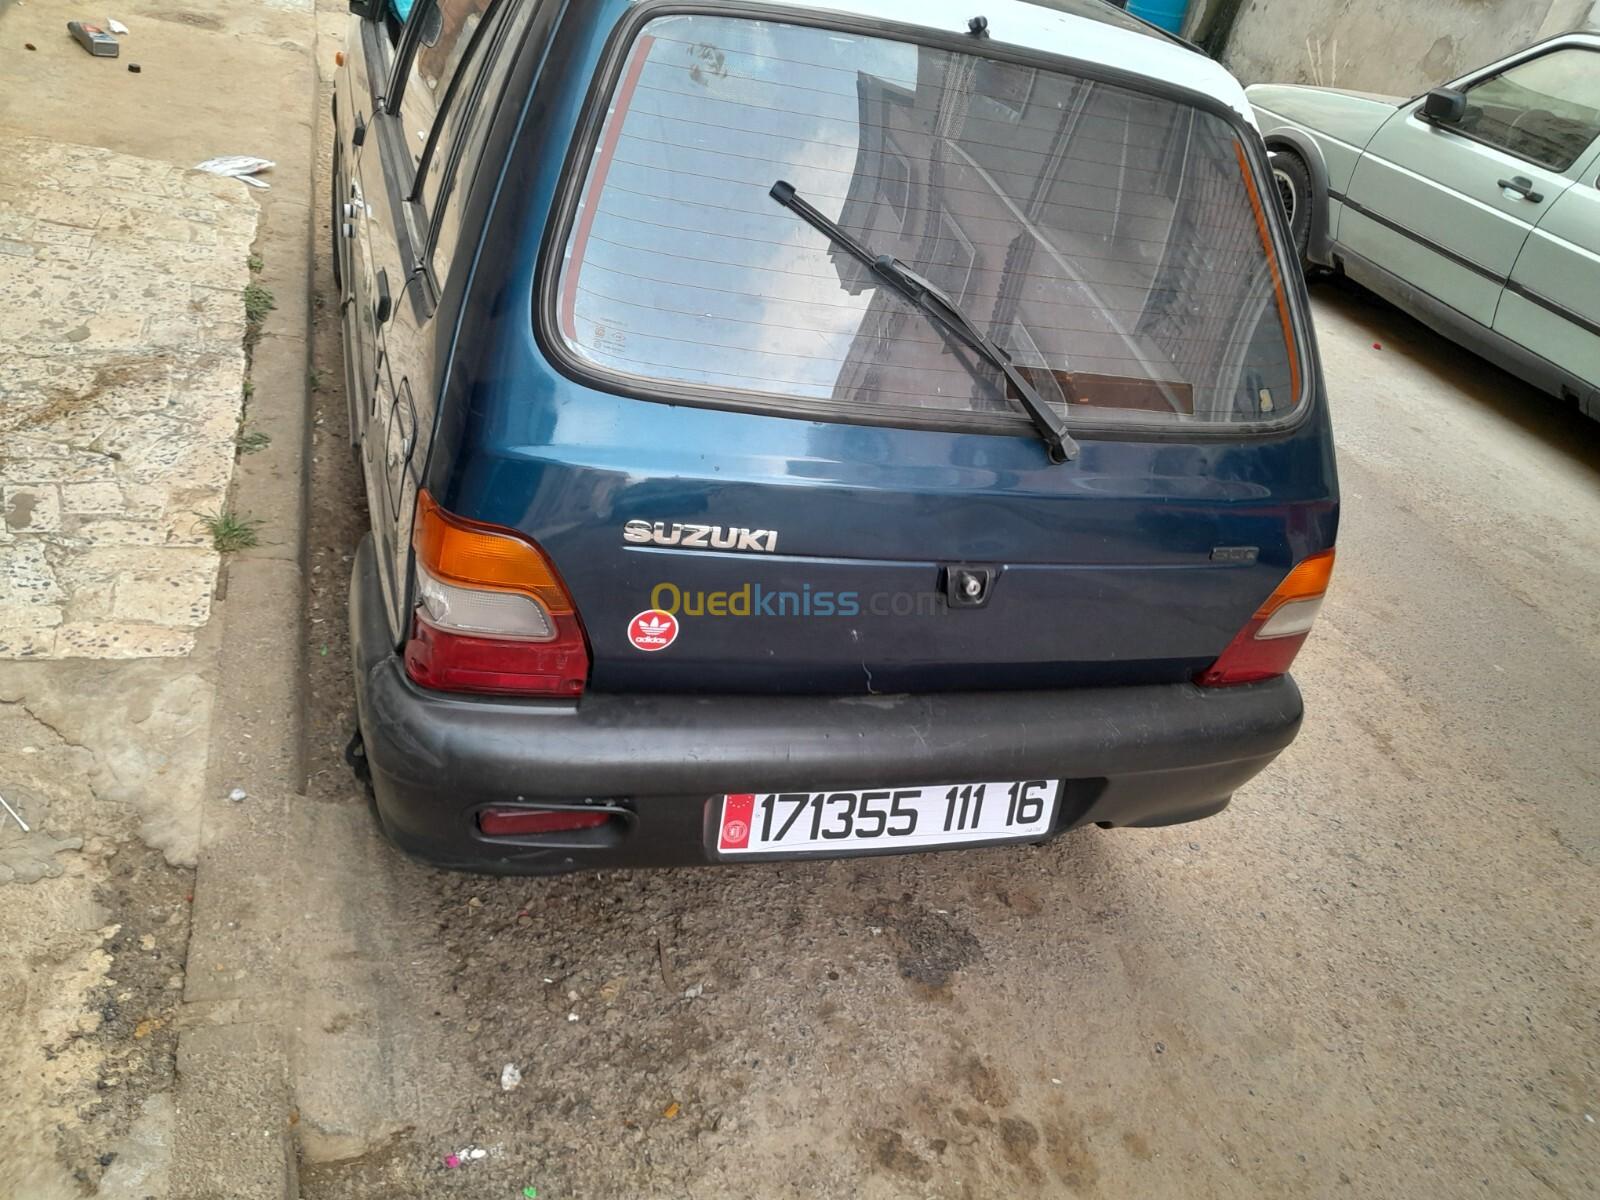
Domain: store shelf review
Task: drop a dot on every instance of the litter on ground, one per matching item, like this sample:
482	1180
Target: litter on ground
238	166
14	815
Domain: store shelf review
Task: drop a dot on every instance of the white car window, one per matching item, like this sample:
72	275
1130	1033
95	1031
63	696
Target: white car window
1546	110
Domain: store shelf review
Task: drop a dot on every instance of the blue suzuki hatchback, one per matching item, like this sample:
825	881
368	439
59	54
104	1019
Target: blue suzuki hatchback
802	432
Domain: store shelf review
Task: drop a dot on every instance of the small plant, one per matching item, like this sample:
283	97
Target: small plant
249	388
251	441
229	531
255	264
258	302
314	379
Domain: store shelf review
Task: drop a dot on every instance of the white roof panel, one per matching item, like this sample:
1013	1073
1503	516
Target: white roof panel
1033	27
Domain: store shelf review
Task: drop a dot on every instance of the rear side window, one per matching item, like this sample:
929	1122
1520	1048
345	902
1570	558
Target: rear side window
1115	243
444	43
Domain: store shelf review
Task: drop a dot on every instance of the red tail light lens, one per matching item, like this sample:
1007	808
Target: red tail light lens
1267	645
492	615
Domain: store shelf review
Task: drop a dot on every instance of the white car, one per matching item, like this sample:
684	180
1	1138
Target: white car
1475	207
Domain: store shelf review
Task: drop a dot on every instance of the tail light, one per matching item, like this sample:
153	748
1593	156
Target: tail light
1266	646
492	614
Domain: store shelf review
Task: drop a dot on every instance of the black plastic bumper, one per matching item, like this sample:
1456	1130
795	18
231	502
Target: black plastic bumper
1131	756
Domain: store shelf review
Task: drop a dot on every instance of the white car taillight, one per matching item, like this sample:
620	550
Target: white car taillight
483	613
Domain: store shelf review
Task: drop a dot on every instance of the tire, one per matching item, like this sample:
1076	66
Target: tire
1292	178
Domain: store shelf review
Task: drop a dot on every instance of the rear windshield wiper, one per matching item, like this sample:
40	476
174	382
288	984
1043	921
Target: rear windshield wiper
940	308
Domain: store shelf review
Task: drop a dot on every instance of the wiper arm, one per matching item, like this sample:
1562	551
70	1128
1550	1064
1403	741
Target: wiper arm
939	307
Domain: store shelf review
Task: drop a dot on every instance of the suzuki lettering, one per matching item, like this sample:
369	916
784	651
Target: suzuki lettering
700	537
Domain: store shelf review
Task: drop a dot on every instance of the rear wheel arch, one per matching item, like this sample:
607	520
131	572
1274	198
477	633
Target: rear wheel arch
1298	156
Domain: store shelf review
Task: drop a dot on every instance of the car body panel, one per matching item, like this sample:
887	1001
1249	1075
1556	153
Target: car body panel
1426	201
1340	123
1558	269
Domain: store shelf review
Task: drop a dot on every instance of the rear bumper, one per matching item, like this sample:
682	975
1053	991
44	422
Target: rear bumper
1131	756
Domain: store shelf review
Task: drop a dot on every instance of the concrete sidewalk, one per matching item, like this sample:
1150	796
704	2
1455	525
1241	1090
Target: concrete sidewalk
141	1048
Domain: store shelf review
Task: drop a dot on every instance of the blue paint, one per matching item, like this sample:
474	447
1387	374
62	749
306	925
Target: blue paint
1166	14
1104	567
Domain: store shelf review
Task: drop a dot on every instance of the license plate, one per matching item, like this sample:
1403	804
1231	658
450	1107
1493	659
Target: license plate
916	818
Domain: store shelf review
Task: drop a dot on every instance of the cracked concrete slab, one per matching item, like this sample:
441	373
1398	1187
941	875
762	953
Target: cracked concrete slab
122	366
96	921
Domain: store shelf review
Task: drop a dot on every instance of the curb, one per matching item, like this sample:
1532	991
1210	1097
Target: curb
234	1137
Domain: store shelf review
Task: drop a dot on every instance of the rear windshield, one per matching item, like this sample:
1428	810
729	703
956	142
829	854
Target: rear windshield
1112	241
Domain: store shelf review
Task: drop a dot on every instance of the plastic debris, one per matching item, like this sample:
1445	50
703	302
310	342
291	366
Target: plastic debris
238	794
671	1110
530	1193
452	1161
510	1077
115	25
694	992
475	1153
572	1016
238	166
14	815
1377	345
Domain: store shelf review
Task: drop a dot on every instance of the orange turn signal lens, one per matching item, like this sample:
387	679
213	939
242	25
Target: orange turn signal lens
486	557
1308	581
1266	646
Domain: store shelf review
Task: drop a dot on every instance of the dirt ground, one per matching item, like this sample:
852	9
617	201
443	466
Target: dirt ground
1374	976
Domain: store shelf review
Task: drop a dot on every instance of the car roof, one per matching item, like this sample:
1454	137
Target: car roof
1087	30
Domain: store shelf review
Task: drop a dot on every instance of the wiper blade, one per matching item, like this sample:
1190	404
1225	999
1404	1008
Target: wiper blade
940	308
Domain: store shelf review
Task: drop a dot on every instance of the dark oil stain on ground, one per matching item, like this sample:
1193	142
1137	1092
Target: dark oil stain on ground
930	947
890	1152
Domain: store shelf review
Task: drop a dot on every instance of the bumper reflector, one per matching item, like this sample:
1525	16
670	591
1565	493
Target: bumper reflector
508	822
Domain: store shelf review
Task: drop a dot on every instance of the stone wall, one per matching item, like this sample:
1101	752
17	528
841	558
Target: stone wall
1392	46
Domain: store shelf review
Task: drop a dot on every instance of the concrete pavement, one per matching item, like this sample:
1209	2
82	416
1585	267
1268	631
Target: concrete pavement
123	727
